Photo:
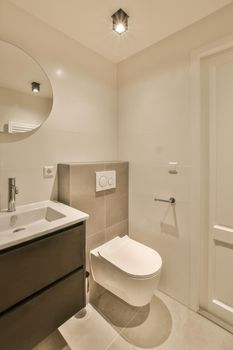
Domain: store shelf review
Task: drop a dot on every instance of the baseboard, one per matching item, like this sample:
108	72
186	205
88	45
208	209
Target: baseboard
216	320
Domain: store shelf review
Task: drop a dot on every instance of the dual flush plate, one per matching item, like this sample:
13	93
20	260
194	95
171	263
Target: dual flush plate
105	180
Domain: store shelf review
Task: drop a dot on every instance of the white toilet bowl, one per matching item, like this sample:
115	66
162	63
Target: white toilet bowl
127	268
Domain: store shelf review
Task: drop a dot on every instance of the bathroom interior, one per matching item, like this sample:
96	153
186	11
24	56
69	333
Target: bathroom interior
116	218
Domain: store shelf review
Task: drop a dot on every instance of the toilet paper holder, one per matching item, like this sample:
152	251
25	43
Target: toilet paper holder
171	200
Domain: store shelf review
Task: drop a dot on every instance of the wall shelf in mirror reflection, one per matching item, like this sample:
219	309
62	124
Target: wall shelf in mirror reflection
26	96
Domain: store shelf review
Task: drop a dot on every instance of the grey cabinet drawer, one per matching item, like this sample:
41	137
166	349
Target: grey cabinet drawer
29	268
27	324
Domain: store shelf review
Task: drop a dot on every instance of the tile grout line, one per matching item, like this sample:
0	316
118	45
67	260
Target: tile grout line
112	341
121	330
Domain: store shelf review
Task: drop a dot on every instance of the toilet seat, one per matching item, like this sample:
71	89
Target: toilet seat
131	257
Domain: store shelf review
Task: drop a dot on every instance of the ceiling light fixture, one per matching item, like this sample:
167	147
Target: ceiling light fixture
35	87
120	21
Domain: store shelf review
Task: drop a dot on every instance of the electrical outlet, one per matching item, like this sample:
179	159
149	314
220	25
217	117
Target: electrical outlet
48	171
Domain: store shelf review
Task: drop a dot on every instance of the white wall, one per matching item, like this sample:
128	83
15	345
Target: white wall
82	125
155	128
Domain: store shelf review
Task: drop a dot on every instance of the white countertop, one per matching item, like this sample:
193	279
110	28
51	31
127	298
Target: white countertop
32	221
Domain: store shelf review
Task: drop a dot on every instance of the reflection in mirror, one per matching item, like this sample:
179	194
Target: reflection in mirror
25	92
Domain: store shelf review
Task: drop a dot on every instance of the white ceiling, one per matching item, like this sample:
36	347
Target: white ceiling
89	21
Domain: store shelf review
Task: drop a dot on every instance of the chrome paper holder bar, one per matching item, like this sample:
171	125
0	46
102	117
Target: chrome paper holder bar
171	200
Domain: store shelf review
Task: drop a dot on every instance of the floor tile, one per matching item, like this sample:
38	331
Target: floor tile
150	327
89	332
164	324
189	330
114	310
120	344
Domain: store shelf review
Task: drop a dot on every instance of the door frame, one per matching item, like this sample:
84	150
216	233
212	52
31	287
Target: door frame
196	224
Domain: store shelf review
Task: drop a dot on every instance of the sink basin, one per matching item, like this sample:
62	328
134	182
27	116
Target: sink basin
36	219
31	217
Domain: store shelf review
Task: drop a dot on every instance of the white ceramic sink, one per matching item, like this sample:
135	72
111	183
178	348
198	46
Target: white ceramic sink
36	219
18	222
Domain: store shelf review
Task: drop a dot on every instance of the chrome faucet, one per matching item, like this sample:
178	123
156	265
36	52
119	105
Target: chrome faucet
12	191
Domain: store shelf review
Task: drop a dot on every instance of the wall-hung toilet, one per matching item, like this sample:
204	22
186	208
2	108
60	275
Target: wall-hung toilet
127	268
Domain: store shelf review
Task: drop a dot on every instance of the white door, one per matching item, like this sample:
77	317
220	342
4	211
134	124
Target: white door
220	241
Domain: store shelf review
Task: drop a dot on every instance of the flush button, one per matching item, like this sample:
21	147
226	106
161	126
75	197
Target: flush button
103	181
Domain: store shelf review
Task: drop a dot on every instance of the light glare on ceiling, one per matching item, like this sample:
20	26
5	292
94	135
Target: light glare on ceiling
59	72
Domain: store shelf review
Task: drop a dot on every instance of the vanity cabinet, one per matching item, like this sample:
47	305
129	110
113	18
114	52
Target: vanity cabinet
42	285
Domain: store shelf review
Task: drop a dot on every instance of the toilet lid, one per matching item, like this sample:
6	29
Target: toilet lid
131	257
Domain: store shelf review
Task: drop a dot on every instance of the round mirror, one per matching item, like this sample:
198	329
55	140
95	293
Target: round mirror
26	96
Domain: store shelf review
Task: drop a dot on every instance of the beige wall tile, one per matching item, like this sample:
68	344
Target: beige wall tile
83	180
93	242
116	208
119	229
95	207
108	210
122	176
64	183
